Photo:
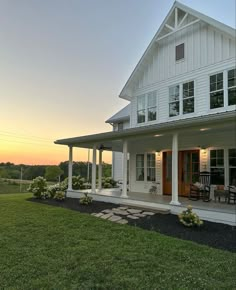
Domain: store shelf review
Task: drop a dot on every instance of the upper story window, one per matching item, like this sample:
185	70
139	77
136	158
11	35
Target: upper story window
179	52
141	111
188	97
216	91
174	101
147	107
232	87
152	106
120	126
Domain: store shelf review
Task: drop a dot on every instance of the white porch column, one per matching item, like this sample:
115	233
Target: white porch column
100	170
70	165
174	200
94	169
125	153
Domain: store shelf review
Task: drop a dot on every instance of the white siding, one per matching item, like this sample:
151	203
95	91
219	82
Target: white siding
206	51
117	161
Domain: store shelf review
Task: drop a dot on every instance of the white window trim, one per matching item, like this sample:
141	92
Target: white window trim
181	99
146	109
145	167
225	88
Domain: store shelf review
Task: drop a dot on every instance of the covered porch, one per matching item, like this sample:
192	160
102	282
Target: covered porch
198	133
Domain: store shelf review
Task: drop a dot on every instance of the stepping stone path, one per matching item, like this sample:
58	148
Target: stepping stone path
122	214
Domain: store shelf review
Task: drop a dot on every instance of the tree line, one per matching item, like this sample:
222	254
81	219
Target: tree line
50	172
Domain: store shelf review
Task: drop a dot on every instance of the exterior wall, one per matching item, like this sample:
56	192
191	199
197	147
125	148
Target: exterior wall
144	186
117	162
207	51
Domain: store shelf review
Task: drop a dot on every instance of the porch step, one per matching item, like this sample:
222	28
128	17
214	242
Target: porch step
148	208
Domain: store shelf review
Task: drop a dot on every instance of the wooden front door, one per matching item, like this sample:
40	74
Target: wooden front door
188	170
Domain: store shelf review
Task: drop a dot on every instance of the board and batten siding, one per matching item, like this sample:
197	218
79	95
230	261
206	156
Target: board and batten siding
207	51
117	157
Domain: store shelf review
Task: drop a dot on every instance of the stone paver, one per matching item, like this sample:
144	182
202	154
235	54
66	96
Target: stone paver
106	216
115	218
148	213
122	221
139	215
120	212
132	210
133	217
107	211
99	214
93	213
122	207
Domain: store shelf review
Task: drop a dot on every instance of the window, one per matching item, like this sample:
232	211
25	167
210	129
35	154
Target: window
141	112
179	52
217	166
232	167
174	101
216	91
120	126
140	167
232	87
188	97
152	106
151	167
147	107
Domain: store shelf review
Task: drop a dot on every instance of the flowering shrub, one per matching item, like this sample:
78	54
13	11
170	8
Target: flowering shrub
59	195
52	189
39	188
86	200
190	219
108	182
78	182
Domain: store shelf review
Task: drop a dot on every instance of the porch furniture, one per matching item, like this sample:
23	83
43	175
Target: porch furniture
201	189
221	193
232	194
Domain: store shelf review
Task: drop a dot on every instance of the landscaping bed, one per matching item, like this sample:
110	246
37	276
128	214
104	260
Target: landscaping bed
215	235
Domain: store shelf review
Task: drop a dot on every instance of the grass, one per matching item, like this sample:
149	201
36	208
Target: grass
45	247
12	186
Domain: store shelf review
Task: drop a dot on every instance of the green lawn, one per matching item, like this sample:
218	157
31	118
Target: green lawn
44	247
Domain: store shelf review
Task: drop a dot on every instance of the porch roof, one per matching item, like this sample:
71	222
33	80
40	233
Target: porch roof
87	141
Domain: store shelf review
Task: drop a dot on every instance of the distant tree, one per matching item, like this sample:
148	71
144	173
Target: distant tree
53	172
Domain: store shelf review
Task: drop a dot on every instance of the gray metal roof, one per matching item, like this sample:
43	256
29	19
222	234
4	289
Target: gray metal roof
123	114
218	118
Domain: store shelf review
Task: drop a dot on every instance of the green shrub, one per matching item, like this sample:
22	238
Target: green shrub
86	200
190	219
78	182
52	189
59	195
39	188
108	182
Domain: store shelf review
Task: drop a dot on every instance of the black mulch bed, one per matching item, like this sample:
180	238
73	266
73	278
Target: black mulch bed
215	235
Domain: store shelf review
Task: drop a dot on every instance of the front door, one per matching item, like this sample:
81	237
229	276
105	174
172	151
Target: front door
188	170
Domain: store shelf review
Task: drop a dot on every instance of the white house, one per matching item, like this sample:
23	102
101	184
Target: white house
181	115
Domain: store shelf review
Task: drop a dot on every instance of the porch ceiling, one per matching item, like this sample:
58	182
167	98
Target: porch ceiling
220	128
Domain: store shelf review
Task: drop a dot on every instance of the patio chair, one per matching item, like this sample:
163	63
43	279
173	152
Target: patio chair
232	194
201	189
194	192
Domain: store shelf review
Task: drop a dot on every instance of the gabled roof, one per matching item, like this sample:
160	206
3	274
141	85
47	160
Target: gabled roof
122	115
179	17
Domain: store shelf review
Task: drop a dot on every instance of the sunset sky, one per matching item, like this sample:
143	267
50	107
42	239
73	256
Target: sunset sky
63	64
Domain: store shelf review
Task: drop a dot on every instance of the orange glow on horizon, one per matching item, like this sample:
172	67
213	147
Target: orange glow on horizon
43	155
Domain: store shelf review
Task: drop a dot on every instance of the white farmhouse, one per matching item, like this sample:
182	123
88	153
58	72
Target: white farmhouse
180	119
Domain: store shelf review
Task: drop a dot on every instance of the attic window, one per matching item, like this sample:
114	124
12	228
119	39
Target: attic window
179	52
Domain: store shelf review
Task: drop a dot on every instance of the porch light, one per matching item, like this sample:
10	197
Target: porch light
158	135
204	129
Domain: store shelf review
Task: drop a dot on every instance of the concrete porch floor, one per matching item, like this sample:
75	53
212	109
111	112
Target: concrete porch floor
165	200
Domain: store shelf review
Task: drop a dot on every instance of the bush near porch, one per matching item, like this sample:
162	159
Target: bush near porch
45	247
